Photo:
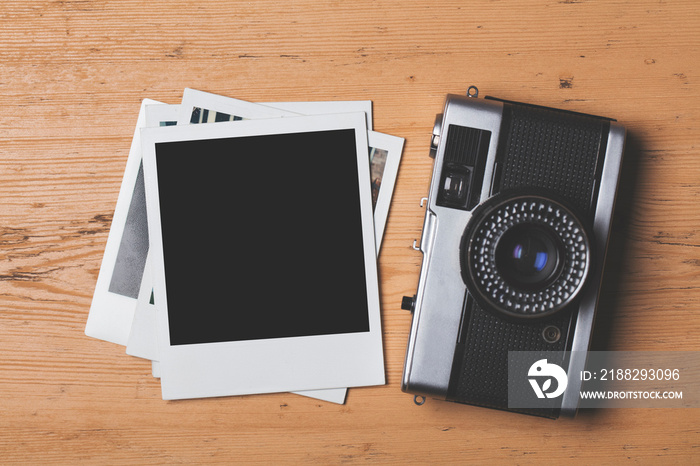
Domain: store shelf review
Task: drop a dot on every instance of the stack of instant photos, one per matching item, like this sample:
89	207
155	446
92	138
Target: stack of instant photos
242	253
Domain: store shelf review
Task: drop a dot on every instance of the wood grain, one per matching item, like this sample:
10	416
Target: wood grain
72	75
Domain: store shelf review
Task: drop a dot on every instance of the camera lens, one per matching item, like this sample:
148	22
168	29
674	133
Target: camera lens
528	256
524	255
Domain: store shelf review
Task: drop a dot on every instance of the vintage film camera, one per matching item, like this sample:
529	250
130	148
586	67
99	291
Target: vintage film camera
514	243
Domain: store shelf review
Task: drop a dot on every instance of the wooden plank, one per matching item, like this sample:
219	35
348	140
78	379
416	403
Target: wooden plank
72	75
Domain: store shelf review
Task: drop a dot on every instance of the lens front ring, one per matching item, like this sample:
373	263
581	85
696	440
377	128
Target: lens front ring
525	255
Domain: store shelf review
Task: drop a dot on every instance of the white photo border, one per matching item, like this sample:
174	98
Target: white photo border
323	361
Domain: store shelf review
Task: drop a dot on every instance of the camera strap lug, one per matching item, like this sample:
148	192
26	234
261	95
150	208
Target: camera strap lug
435	138
423	200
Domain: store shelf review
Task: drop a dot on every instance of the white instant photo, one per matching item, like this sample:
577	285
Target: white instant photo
205	107
119	280
384	157
262	238
202	107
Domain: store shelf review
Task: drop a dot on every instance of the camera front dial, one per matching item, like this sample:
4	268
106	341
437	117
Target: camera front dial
524	255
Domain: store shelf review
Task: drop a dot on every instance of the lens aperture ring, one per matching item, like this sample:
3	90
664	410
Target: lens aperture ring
486	281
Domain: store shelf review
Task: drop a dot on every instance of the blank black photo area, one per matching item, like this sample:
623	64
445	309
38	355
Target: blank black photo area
262	237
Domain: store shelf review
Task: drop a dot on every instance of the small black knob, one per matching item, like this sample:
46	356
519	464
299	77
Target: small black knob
408	303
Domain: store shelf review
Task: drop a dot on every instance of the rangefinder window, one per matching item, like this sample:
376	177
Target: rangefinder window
463	170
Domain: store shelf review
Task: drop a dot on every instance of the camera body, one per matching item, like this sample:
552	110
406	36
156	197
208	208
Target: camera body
514	242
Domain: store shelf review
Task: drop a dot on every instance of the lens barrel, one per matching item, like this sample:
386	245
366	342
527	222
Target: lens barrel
524	255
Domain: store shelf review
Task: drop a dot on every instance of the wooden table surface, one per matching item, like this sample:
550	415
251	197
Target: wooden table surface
72	76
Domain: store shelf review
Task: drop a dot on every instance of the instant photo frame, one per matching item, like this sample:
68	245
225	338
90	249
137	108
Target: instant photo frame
313	353
118	282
